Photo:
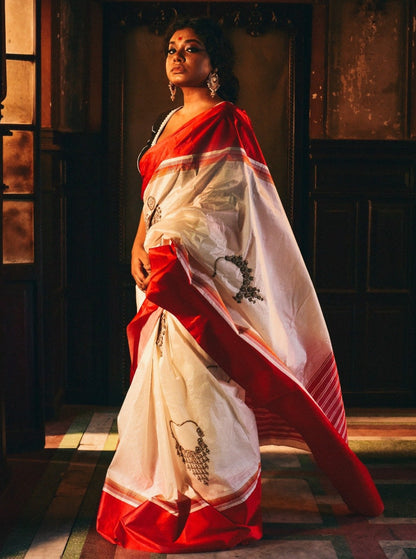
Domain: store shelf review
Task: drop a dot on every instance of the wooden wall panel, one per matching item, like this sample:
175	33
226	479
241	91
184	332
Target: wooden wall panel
335	245
363	75
367	69
21	379
54	274
363	261
123	310
86	268
342	318
385	355
358	170
390	246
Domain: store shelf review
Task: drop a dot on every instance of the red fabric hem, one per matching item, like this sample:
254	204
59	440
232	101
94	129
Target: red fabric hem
149	527
266	384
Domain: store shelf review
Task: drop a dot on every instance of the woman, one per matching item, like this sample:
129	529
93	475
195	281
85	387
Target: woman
227	317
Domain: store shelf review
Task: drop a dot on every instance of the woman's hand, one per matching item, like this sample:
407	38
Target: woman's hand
140	267
140	263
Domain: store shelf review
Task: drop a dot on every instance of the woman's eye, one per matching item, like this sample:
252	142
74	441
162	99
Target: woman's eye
189	50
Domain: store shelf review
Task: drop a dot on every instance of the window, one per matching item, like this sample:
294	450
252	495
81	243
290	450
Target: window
19	131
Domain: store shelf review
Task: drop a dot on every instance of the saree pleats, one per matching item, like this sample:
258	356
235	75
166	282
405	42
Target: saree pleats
188	453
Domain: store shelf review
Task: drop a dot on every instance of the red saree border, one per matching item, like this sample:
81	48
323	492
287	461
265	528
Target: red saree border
222	126
149	527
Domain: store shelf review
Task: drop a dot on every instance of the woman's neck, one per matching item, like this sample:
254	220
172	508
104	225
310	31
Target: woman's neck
196	100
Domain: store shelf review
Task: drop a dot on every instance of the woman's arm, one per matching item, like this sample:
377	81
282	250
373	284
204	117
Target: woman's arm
140	263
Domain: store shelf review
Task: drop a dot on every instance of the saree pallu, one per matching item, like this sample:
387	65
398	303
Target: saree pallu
229	346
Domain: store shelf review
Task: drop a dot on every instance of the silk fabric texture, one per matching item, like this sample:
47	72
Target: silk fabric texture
230	318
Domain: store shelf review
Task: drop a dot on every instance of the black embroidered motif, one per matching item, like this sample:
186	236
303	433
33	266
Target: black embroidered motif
154	217
196	461
157	215
246	290
151	202
162	330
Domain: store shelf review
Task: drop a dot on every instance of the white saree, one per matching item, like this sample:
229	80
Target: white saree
230	309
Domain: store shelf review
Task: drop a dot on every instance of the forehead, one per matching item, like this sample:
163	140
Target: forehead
183	35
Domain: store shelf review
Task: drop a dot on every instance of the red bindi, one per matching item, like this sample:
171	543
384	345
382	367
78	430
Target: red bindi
179	38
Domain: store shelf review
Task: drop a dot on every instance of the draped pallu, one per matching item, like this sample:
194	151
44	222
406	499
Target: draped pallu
230	316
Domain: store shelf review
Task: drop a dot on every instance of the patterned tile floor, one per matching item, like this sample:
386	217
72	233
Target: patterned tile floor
48	509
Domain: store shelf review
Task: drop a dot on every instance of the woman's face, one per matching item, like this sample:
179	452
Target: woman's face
187	61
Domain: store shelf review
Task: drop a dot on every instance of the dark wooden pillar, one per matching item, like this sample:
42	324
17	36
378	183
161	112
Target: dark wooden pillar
74	301
3	91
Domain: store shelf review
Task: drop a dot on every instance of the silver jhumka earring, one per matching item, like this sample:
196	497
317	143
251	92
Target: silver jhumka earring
172	89
213	82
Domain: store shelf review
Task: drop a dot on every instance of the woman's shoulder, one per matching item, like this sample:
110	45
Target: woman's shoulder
235	112
242	127
229	107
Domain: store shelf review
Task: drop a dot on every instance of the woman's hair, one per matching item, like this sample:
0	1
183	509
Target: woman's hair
218	47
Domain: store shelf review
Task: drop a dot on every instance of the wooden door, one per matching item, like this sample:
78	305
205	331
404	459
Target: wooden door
271	43
20	257
363	260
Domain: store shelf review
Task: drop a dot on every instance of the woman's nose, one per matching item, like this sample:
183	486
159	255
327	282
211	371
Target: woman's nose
179	55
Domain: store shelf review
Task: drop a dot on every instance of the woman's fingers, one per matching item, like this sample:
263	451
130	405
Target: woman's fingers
142	278
140	270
